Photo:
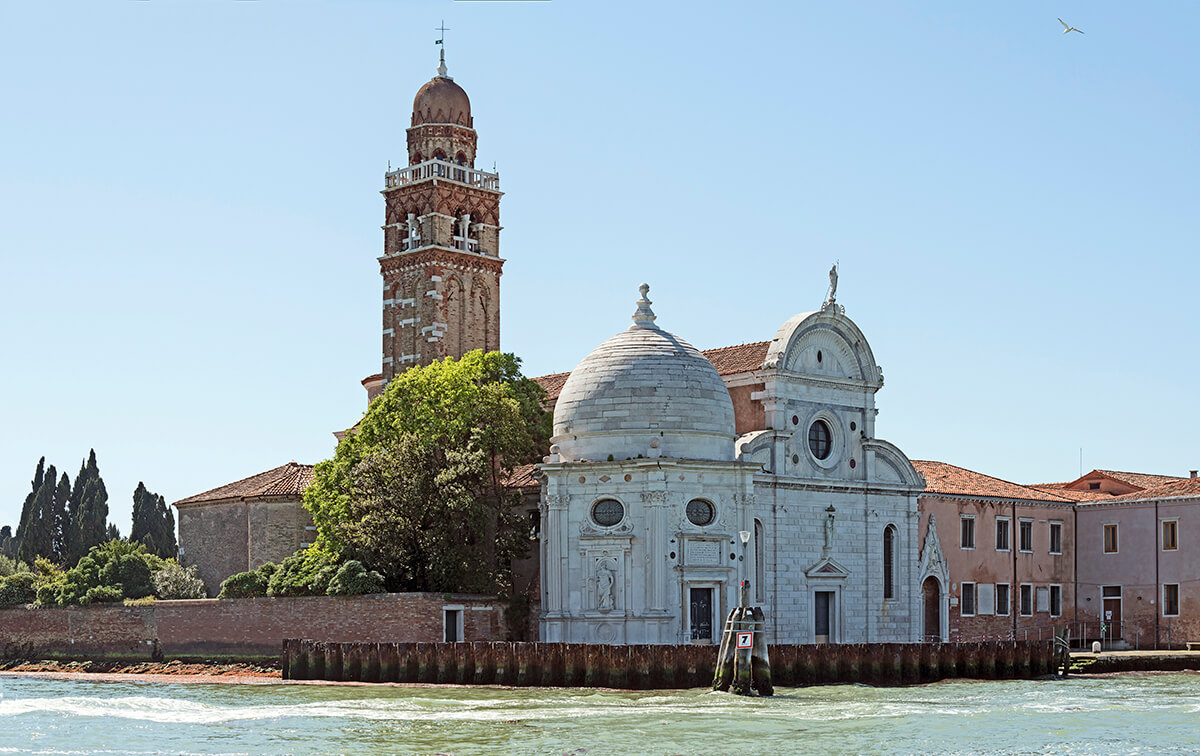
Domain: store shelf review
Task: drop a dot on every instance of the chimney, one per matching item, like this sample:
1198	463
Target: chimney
1194	472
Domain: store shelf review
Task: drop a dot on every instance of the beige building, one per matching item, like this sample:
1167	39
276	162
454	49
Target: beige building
245	524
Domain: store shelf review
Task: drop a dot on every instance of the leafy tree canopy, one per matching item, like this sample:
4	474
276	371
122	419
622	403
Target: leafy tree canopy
417	491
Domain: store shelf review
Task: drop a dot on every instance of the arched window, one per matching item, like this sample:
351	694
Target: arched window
759	546
889	562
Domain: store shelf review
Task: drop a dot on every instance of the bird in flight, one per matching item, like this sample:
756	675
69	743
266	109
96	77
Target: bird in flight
1068	28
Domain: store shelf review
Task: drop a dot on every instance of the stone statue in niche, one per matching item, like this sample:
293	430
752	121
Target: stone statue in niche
414	231
604	587
828	533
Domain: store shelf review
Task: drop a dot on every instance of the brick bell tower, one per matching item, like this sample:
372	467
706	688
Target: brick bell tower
441	238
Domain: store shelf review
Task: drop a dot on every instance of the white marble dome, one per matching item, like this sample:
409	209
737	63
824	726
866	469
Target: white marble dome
643	392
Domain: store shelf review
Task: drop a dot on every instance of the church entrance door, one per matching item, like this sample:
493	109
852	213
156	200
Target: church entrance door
931	591
701	612
823	615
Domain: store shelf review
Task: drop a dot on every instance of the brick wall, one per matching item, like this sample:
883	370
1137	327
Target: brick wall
241	627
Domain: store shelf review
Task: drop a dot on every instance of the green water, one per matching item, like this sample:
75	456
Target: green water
1117	715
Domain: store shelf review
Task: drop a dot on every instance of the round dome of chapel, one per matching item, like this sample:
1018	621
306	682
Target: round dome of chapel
644	392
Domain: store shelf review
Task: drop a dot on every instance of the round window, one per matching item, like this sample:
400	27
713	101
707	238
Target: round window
819	439
608	512
700	512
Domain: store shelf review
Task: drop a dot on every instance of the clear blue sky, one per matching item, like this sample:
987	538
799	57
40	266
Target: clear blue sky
189	213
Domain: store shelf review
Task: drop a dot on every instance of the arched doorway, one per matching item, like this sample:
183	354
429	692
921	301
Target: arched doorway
931	591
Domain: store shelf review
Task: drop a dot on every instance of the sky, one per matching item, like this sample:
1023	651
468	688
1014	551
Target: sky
190	216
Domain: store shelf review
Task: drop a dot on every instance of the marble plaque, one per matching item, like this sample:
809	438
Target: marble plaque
702	552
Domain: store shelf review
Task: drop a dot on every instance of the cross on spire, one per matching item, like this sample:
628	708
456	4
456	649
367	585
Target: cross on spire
442	43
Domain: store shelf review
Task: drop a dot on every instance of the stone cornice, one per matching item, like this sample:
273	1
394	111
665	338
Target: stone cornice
443	255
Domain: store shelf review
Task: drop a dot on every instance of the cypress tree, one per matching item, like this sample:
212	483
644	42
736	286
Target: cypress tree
88	510
37	536
153	523
6	542
60	522
113	533
27	511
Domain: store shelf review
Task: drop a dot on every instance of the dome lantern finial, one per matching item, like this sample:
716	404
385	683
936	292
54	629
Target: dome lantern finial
644	317
442	65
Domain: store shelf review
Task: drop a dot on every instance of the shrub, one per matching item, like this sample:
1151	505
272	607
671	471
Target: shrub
17	589
305	573
352	579
176	582
252	584
123	566
10	566
102	594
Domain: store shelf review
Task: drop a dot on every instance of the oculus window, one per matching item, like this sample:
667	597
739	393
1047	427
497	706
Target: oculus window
608	512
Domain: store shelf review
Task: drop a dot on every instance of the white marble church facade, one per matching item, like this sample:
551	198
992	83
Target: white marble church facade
654	510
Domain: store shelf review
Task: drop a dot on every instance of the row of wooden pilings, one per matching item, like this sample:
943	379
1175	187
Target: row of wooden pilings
649	667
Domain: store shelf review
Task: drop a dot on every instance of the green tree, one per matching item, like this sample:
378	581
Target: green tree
418	491
28	511
38	531
153	523
88	510
174	581
7	542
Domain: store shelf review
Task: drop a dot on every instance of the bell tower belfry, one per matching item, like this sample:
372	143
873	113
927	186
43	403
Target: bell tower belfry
441	238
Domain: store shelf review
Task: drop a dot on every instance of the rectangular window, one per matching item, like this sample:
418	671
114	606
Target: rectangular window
1056	538
985	599
968	533
967	605
1111	591
1043	599
1056	601
1110	538
1170	535
1026	600
1170	600
1002	599
1026	535
1003	525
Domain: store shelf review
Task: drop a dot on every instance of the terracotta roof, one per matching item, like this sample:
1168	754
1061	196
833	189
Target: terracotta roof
943	478
1070	493
522	477
1141	480
1179	487
286	480
728	360
553	384
738	359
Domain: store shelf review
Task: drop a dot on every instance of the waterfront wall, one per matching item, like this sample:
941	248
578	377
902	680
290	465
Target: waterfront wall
648	667
241	627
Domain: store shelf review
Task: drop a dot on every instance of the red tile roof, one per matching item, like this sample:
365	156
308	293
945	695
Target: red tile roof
943	478
288	480
1180	487
1070	493
522	477
553	384
1141	480
738	359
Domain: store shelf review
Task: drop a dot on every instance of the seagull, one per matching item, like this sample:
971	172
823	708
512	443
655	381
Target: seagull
1067	28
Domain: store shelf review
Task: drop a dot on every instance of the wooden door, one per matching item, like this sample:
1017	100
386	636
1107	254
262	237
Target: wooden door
701	612
1112	618
931	591
823	616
